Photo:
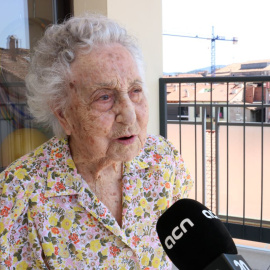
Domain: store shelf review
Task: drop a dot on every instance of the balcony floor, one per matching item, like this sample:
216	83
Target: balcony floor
258	259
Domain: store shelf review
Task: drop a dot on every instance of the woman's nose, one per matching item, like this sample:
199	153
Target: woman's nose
126	113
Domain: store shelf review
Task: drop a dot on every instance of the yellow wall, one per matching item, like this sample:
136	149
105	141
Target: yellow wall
142	19
81	6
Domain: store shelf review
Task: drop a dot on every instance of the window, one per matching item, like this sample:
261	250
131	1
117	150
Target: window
183	113
21	24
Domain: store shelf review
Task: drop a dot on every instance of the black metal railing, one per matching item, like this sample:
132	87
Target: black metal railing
221	126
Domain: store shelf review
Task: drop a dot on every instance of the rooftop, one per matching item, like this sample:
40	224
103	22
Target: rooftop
258	67
203	93
17	67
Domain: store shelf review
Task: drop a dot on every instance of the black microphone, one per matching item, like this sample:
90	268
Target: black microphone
195	239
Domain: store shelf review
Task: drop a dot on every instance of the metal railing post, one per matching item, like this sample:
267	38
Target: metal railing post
217	111
204	191
162	109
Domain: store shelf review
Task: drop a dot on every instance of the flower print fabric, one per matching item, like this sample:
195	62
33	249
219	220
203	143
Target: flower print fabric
50	219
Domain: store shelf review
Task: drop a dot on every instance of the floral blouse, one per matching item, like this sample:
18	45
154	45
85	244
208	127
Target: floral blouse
50	218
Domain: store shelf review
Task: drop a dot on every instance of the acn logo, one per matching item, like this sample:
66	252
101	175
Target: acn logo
209	214
241	264
170	240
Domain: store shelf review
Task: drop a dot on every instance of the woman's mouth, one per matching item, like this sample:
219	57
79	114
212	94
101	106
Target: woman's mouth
126	140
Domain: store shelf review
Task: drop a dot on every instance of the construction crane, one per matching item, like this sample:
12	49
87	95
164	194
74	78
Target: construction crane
213	39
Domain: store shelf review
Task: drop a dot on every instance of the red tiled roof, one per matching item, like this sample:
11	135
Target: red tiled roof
203	94
18	68
235	69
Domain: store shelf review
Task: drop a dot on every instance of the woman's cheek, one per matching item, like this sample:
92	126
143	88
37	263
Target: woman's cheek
98	125
144	113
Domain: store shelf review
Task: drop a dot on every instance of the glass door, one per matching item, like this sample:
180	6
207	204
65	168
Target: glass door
22	23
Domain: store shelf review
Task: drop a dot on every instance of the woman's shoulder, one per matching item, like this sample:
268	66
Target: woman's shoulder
157	150
160	145
27	162
32	162
22	180
29	170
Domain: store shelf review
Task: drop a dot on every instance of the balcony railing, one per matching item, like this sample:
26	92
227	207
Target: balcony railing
221	126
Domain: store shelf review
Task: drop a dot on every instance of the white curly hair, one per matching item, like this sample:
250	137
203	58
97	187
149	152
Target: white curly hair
48	77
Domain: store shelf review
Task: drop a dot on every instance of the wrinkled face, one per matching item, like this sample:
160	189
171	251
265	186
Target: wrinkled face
108	112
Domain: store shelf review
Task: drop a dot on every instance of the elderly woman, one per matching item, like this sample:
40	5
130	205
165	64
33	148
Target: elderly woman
90	197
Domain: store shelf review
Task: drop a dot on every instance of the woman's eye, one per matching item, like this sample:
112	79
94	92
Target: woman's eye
104	102
104	97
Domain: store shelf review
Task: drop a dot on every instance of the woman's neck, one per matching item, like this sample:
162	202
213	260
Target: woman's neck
104	177
89	165
106	183
95	173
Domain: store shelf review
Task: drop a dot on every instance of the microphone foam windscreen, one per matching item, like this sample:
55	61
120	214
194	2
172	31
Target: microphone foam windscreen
192	236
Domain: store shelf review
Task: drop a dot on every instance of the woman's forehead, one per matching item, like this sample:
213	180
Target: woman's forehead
102	55
105	65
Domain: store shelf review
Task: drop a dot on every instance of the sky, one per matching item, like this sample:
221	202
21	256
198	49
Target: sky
13	20
248	20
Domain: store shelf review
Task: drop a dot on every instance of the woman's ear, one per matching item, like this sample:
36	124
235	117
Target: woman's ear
63	120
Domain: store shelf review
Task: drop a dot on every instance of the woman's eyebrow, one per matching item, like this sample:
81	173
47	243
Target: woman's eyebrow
103	85
93	89
113	85
136	82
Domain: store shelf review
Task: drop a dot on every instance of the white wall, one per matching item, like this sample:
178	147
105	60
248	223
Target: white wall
143	19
